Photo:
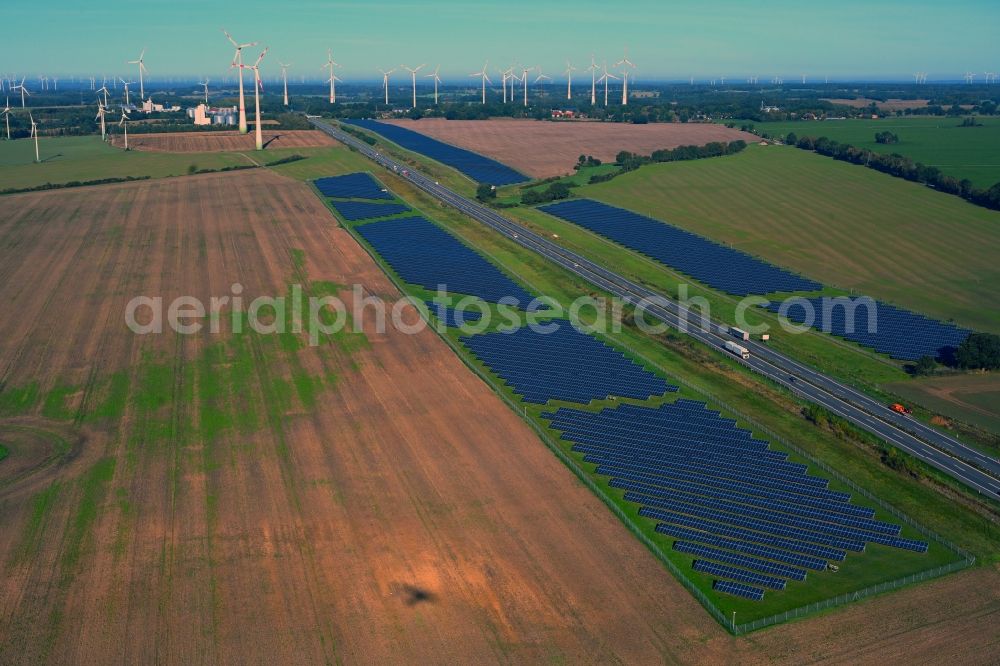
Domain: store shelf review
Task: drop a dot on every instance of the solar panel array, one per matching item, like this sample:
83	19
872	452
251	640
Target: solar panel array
351	186
364	210
738	589
893	331
477	167
709	262
746	512
424	254
452	317
565	364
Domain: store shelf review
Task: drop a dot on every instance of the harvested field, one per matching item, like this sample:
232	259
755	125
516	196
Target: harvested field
542	149
211	142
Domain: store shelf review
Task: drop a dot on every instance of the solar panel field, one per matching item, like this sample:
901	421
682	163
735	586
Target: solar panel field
604	411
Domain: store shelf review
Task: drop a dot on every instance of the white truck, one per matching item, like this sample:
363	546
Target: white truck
737	350
739	333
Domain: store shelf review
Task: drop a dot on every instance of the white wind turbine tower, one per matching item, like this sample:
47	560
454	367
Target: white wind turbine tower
142	69
34	135
104	89
93	83
100	116
437	80
503	82
625	63
569	79
205	84
385	82
524	80
257	85
123	123
512	77
722	80
484	76
284	78
126	84
803	79
969	76
24	91
6	117
55	83
331	65
238	63
413	80
607	76
593	80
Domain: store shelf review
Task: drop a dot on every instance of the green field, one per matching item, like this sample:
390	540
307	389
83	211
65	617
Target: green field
844	225
962	152
723	383
973	398
83	158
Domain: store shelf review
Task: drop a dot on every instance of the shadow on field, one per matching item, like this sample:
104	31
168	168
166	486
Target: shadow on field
412	595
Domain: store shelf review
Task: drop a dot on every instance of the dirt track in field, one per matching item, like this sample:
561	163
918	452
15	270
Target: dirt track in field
542	149
407	516
222	141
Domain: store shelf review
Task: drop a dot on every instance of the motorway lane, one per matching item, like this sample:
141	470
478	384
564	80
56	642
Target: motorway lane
942	452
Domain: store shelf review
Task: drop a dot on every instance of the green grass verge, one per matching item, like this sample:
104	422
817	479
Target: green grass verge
961	152
879	565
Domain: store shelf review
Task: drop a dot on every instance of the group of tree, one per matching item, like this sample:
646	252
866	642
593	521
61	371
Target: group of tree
903	167
980	351
628	161
587	161
553	192
886	137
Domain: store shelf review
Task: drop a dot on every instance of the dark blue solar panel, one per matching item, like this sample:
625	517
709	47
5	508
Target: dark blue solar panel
452	317
353	185
886	329
738	589
426	255
564	364
363	210
741	575
712	484
709	262
477	167
754	563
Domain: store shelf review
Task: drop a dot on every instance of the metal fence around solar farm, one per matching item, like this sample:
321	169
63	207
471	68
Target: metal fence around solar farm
728	586
477	167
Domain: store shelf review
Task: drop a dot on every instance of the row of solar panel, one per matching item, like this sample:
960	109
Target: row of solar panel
709	262
564	364
353	211
893	331
452	317
352	186
424	254
477	167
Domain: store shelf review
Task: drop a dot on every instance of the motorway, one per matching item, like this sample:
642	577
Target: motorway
959	461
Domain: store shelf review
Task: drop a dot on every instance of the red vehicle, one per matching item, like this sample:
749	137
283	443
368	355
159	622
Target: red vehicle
900	409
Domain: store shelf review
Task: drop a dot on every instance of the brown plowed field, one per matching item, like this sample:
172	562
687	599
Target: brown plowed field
400	514
542	149
222	141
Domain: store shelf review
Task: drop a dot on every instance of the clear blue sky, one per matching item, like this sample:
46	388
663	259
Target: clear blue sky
666	39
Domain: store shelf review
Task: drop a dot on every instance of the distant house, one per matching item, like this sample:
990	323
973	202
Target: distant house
563	113
768	109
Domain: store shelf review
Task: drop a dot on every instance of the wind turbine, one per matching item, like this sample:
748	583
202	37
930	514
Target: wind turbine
625	63
126	84
541	77
284	78
607	75
569	79
142	69
123	123
722	80
485	77
34	135
969	76
100	116
437	80
330	64
257	85
24	91
593	80
238	63
503	82
205	85
413	80
104	89
6	117
385	82
524	80
93	83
